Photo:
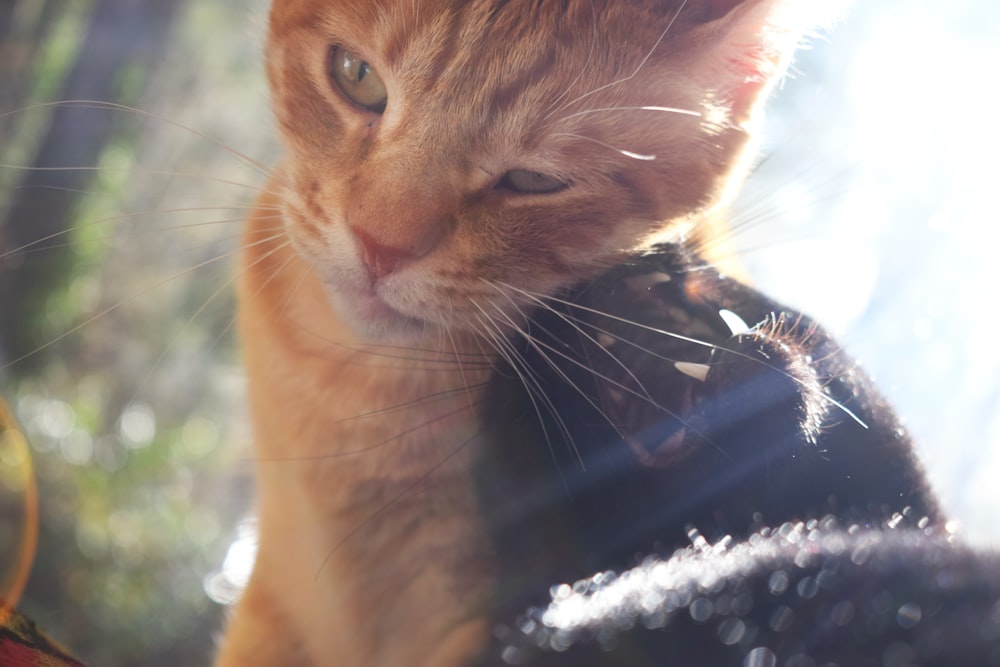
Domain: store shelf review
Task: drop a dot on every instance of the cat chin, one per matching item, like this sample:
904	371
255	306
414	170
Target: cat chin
371	318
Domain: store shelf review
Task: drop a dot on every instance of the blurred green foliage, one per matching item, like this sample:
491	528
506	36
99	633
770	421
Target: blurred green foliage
129	389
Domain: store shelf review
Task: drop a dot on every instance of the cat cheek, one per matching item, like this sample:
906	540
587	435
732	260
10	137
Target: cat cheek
315	239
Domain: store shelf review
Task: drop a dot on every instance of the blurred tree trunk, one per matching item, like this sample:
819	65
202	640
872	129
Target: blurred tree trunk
22	39
34	259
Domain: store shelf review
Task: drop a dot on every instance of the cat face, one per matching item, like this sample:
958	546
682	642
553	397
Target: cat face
449	161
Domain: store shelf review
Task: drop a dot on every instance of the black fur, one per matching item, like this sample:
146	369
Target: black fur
795	597
615	455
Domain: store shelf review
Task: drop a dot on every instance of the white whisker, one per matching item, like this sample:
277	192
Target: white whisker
573	322
583	69
840	406
537	345
626	153
684	112
529	380
642	63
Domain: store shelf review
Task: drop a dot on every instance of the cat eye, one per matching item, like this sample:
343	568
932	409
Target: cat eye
530	182
356	79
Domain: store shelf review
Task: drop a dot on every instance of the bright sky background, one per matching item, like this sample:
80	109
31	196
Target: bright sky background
876	212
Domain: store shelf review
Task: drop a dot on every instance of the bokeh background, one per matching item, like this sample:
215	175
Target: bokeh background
872	208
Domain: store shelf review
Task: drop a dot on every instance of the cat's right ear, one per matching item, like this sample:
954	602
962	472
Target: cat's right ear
745	46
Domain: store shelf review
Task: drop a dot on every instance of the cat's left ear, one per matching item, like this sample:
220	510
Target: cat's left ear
745	46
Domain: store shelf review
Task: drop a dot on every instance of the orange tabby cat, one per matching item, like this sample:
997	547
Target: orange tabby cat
446	162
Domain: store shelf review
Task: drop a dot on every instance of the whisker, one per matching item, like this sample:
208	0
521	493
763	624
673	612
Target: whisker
751	214
140	170
372	350
684	112
642	63
702	343
29	248
368	448
529	380
424	358
639	325
535	343
430	398
461	369
569	318
573	322
115	306
626	153
176	335
586	63
114	106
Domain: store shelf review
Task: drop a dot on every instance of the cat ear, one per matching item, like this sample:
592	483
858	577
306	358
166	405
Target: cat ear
748	45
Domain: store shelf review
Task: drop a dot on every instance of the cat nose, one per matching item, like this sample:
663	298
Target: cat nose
381	259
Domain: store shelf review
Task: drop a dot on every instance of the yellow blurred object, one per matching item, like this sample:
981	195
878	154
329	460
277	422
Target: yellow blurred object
19	506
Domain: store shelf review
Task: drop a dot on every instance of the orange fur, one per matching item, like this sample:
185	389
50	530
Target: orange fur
370	551
310	380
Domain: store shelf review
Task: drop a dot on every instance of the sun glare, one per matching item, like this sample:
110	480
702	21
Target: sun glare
890	128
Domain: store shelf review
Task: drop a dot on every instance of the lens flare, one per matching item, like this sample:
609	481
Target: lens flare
19	509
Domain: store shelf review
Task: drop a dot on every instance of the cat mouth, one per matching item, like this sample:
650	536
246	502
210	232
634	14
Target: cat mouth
369	314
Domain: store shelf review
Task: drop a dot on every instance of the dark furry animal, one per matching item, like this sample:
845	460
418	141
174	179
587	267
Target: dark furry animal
757	497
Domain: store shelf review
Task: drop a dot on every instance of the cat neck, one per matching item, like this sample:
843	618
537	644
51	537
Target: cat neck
358	448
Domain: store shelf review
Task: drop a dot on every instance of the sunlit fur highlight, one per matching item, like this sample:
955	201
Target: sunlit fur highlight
364	393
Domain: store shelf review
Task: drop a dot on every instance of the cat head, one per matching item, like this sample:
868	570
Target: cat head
450	161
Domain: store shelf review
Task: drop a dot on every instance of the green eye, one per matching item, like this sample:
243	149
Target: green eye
530	182
356	79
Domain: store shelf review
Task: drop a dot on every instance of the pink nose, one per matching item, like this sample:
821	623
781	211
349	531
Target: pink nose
379	259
